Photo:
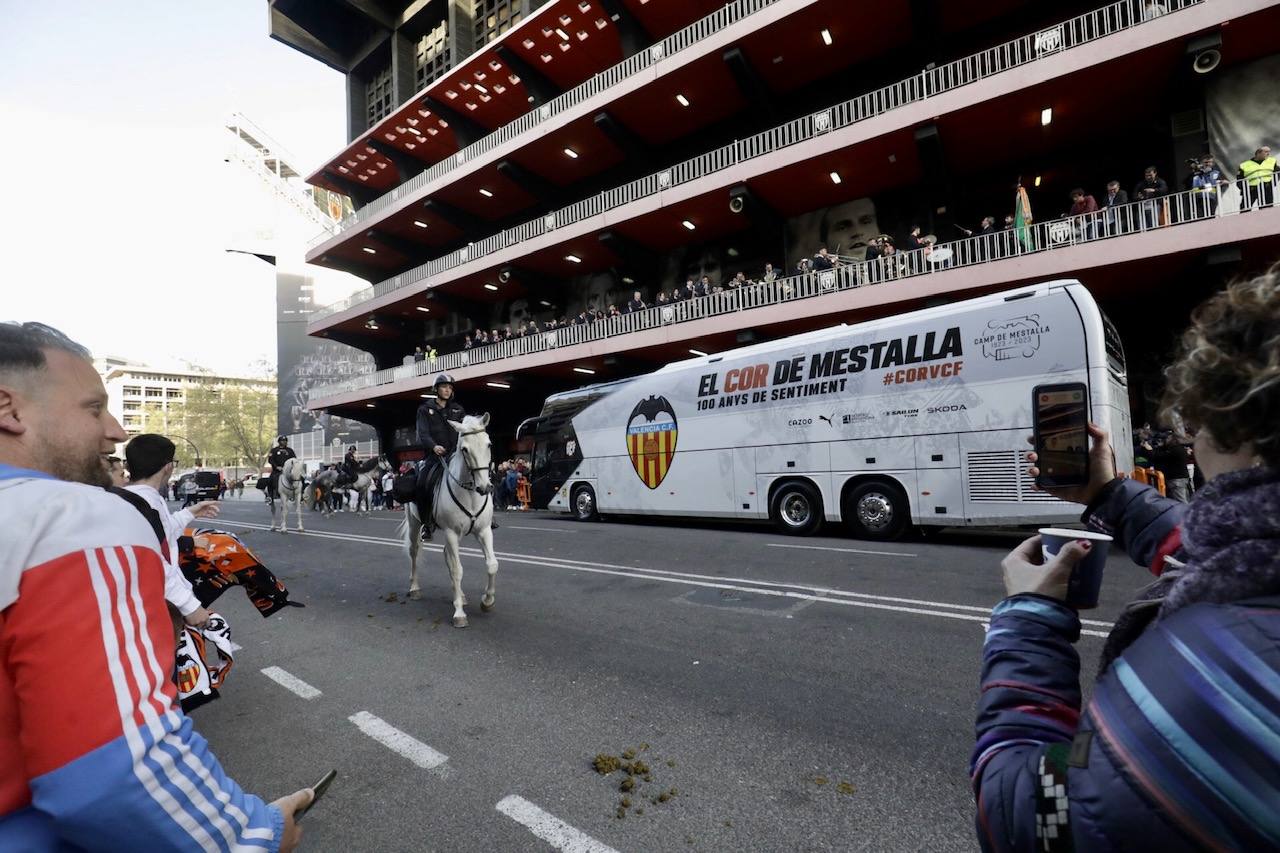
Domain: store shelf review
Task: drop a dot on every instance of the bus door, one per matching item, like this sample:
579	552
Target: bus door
939	495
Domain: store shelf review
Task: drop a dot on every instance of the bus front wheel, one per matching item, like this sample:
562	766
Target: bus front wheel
876	510
796	509
584	504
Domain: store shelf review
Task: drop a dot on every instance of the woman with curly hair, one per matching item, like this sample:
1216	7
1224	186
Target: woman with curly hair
1179	747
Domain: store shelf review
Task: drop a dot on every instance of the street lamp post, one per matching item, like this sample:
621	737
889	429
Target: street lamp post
193	447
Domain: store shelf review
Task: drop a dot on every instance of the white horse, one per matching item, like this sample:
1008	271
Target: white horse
364	483
461	506
290	490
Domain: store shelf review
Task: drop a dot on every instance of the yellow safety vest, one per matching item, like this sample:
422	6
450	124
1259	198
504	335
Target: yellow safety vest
1255	173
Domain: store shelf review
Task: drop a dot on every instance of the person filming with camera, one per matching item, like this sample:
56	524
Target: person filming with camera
1179	746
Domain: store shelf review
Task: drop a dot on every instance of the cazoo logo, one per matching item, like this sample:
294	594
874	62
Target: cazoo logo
1006	339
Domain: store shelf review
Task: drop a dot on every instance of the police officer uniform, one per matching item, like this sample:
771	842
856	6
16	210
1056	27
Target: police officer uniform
434	431
276	459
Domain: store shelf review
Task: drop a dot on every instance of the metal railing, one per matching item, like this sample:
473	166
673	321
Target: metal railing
675	43
1029	48
1133	218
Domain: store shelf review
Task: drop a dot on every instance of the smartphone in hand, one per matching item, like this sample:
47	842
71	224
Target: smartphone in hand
1060	419
318	789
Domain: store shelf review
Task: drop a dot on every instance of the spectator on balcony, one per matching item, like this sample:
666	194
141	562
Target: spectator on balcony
466	343
1114	215
823	261
614	313
1083	206
1257	179
704	286
662	298
1206	183
418	354
1149	190
636	303
914	240
770	274
677	294
803	266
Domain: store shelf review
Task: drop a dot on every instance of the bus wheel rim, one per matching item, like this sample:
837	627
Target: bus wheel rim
795	509
584	502
875	511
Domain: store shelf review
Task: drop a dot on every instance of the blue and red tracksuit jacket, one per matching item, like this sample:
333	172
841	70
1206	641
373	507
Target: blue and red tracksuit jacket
94	752
1179	748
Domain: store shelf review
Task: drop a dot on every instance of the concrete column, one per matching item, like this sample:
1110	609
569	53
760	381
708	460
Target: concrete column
403	72
462	30
357	108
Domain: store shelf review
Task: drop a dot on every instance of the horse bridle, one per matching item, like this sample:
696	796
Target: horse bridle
472	487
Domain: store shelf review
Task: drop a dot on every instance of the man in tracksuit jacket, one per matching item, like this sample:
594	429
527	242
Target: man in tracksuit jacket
94	754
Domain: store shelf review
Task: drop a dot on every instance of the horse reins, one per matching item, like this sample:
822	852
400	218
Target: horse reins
449	475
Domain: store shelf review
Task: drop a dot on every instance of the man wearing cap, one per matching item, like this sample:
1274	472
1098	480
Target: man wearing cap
438	439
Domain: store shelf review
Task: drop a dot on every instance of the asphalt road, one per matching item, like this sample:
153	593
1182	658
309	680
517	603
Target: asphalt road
797	694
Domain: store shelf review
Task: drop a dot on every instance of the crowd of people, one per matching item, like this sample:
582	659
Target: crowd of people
1113	213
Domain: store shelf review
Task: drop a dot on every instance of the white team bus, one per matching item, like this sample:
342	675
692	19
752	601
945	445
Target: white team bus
916	419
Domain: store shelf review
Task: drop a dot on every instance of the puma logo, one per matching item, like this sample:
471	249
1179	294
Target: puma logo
827	419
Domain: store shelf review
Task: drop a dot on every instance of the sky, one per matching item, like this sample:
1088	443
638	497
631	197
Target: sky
121	206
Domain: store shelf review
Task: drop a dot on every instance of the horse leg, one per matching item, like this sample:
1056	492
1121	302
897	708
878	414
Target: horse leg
454	562
485	535
414	528
297	507
275	516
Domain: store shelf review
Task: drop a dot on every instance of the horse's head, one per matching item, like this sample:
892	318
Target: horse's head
477	452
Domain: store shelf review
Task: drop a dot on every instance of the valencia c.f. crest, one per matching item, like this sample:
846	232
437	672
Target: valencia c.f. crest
651	439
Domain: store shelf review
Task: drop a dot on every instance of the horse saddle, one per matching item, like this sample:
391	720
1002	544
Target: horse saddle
405	487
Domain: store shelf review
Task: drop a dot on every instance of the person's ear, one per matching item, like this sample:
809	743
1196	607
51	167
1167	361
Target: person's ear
10	417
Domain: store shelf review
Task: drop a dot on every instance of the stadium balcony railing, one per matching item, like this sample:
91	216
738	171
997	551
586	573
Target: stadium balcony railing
1138	217
1080	30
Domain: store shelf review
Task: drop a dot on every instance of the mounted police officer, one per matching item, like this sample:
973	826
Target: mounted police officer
349	470
438	439
276	458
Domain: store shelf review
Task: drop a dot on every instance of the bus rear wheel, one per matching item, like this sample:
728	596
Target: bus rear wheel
584	504
796	509
876	510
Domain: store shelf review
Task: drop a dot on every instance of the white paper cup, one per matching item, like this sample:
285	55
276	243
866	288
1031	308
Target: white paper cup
1086	577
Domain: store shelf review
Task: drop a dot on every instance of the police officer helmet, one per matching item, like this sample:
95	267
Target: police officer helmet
280	438
351	449
442	379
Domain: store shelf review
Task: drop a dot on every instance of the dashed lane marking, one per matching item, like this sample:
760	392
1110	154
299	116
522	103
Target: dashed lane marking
291	682
543	529
804	592
400	742
550	828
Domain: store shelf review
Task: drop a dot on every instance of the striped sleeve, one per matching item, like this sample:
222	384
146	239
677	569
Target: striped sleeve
1030	700
109	758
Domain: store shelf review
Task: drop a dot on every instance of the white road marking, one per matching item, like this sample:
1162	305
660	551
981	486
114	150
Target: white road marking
841	550
397	741
291	682
543	529
826	595
550	828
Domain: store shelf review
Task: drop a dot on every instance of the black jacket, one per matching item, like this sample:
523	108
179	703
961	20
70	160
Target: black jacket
432	429
276	458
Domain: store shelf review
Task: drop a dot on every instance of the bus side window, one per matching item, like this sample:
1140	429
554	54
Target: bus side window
540	457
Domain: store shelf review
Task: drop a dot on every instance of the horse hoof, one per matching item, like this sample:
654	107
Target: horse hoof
459	621
415	595
486	606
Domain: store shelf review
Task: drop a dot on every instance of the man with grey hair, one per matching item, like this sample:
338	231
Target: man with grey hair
102	759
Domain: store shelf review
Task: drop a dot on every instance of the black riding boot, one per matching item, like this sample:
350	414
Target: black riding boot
423	500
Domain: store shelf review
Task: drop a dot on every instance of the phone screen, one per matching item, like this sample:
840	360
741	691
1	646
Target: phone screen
318	788
1061	436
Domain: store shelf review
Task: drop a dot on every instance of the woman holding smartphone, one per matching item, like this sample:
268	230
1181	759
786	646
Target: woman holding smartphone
1179	747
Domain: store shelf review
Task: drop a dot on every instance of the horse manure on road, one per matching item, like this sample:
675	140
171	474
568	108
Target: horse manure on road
845	788
391	598
636	772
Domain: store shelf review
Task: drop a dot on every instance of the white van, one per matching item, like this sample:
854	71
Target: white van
920	418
